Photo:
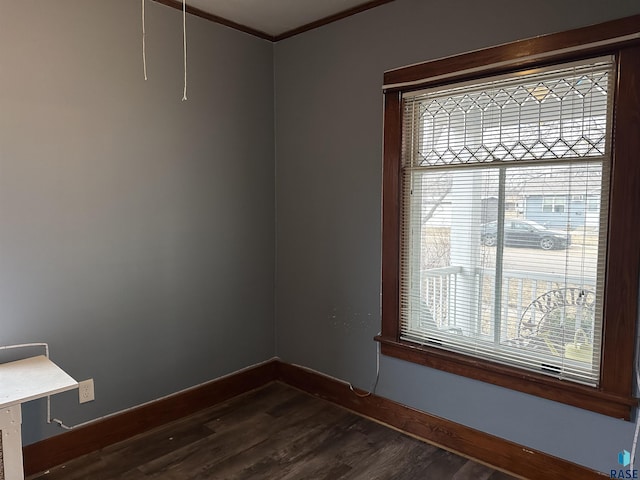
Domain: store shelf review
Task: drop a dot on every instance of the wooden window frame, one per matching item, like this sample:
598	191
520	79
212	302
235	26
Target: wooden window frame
620	38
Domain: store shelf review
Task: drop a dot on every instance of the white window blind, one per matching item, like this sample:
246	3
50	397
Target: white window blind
504	218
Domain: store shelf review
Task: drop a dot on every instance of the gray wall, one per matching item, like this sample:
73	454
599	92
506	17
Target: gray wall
328	156
136	230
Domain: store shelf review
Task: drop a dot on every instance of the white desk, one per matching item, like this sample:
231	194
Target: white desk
21	381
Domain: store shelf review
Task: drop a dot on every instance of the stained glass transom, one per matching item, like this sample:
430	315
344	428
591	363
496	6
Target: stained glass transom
547	115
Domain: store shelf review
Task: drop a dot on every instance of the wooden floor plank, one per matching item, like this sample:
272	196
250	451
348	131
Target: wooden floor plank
285	446
276	432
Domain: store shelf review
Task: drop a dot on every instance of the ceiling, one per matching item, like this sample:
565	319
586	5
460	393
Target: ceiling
275	18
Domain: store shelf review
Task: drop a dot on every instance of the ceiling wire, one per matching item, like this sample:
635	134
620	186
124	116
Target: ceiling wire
144	43
184	43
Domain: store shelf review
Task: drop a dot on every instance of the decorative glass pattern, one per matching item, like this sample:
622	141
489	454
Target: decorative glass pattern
551	115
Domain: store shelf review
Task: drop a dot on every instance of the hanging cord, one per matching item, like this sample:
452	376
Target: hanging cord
635	434
184	43
375	385
144	43
46	353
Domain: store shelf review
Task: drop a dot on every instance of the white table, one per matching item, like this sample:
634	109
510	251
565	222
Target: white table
20	382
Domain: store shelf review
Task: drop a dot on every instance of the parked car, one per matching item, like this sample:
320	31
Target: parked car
525	233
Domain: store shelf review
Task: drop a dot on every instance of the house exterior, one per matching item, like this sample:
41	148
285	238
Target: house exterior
544	198
563	211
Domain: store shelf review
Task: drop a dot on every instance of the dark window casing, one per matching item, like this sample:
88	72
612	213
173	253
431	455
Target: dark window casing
621	38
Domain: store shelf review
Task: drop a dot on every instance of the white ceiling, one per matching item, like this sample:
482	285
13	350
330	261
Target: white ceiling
274	16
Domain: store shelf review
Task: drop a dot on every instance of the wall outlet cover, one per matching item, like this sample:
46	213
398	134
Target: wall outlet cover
86	391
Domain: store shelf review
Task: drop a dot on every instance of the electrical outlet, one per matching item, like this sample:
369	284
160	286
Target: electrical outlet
85	391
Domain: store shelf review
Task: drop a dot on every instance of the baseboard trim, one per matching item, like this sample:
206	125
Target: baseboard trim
465	441
93	436
494	451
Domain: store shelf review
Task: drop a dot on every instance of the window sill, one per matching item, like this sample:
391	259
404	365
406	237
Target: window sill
580	396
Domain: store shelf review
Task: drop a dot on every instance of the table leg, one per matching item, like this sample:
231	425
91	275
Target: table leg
11	430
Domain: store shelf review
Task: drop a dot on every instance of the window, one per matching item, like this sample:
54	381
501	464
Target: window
507	137
553	204
526	297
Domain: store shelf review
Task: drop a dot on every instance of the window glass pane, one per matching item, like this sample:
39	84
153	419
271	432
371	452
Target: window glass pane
519	286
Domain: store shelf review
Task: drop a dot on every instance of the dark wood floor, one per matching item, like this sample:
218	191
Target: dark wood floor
278	433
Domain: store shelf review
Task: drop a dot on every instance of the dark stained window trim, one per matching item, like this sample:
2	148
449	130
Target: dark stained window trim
614	396
553	48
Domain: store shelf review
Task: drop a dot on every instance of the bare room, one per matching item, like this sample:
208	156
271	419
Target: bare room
406	228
